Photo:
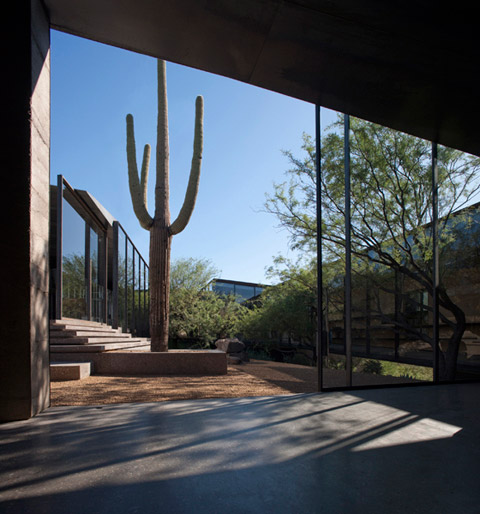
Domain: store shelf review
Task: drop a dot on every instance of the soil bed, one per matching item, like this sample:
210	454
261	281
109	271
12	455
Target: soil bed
256	378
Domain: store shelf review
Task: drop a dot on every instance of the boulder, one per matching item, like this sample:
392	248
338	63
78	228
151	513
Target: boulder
234	348
233	345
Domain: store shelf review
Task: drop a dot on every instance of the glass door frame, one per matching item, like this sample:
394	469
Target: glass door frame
91	222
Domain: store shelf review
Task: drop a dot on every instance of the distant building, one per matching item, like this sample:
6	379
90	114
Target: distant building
244	291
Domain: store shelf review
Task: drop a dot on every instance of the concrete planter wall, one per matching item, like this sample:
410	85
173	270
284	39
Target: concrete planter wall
174	362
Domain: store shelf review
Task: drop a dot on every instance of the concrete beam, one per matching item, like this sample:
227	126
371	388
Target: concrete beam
401	64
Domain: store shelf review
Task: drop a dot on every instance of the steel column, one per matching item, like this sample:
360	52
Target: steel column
435	263
318	169
105	281
59	269
348	257
88	273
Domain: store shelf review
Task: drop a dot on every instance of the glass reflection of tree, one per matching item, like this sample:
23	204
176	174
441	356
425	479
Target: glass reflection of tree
391	220
74	304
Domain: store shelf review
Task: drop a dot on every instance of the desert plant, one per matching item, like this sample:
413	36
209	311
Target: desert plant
161	230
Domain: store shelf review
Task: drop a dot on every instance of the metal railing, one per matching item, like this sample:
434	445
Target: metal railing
130	294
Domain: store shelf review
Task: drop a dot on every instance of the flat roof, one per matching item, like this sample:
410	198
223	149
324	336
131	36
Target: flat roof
406	65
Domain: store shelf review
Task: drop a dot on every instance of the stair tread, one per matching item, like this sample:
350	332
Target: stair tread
93	340
97	347
86	328
63	334
69	335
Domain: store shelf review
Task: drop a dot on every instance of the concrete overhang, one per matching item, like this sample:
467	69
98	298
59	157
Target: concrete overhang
401	64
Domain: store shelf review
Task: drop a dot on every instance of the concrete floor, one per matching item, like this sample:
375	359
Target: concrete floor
411	450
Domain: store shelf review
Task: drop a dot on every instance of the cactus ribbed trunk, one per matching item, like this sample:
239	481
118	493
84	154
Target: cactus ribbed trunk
161	231
160	236
160	245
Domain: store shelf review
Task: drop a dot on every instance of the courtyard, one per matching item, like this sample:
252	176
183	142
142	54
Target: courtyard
401	450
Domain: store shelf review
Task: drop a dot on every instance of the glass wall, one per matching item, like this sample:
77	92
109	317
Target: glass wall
97	270
87	266
74	304
459	265
379	251
83	257
333	256
241	290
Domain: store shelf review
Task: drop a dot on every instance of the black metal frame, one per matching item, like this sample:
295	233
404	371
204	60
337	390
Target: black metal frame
61	183
322	339
133	324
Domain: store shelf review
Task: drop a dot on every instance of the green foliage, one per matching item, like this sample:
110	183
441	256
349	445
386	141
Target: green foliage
287	309
391	219
390	193
393	369
372	367
191	274
197	315
73	278
381	367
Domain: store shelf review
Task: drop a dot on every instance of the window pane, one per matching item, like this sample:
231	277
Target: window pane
459	255
244	292
73	275
223	288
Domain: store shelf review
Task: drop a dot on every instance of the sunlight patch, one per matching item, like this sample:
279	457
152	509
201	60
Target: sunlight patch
421	430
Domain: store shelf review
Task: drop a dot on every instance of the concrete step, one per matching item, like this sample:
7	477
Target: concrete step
64	334
75	321
82	348
60	371
92	340
104	328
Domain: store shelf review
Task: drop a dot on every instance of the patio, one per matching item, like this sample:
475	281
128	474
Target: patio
395	450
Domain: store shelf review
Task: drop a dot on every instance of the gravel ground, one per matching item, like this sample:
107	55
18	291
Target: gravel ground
256	378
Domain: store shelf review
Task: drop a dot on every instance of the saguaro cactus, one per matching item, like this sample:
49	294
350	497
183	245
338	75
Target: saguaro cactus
161	230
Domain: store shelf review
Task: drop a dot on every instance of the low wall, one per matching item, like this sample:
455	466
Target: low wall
173	362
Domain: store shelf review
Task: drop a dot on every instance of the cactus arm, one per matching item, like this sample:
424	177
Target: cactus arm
137	191
192	189
144	176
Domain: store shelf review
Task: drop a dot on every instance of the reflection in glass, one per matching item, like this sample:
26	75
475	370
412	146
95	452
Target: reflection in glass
459	264
333	259
223	288
391	247
244	292
73	274
97	242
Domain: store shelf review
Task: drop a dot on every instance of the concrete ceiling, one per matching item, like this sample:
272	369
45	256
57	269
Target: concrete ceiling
398	63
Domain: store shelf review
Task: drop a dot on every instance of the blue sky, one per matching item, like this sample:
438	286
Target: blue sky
95	86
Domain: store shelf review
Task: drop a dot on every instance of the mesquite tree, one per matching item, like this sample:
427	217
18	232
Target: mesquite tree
391	220
161	230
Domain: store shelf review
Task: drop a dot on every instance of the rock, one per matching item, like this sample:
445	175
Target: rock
234	348
230	345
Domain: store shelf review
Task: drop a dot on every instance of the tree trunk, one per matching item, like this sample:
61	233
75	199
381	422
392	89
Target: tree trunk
448	359
160	245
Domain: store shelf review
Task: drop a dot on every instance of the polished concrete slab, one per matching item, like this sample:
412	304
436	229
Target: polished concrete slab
414	450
